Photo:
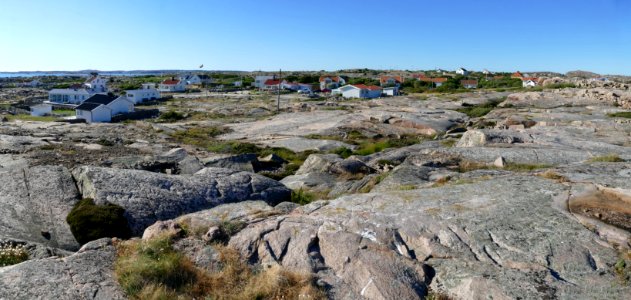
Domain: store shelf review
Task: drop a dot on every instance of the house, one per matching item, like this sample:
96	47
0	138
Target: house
437	81
101	108
73	96
272	84
469	84
96	84
360	91
486	72
517	75
259	81
190	79
331	82
462	71
32	84
172	85
387	81
93	112
391	91
148	92
41	110
529	82
196	79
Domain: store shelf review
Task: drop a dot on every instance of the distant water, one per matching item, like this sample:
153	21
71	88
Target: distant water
10	75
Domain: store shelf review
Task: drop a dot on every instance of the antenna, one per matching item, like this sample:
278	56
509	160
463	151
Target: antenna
280	79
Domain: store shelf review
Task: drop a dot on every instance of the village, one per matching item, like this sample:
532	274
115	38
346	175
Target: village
94	101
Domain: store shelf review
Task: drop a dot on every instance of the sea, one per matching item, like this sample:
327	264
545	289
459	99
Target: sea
35	74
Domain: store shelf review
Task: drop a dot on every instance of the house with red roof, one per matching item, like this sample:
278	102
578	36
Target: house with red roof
469	83
172	85
529	81
360	91
387	81
273	84
331	82
518	75
437	81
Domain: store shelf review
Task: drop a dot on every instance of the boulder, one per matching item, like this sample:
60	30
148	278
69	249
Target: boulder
484	137
87	274
162	228
34	203
148	197
241	162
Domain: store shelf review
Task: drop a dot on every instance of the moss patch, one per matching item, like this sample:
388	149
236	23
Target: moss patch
89	221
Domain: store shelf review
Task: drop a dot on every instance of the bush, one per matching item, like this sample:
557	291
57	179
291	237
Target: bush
476	111
89	221
171	116
302	197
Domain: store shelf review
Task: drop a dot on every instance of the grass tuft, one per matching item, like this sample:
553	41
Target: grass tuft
606	158
154	270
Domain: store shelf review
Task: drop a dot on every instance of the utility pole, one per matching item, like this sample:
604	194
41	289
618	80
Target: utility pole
280	79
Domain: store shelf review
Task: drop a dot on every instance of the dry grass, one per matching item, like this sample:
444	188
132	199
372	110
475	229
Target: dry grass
154	270
551	174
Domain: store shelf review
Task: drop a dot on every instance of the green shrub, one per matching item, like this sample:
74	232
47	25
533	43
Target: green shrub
480	110
171	116
622	114
302	197
342	151
89	221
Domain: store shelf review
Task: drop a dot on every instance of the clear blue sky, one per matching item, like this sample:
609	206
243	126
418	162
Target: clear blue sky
501	35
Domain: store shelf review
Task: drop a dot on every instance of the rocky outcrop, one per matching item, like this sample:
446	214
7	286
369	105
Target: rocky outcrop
148	197
34	203
503	238
87	274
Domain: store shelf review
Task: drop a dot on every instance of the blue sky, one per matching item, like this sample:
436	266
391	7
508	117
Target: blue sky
500	35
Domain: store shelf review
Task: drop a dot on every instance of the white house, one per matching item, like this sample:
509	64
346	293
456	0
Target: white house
462	71
391	91
259	81
93	112
148	92
96	84
74	96
331	82
272	84
101	108
529	82
41	110
360	91
172	85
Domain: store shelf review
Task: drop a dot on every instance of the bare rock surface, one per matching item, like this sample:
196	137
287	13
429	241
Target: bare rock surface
87	274
503	238
34	203
148	197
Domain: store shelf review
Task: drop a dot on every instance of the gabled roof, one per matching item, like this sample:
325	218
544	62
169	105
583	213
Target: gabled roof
385	79
91	79
517	75
272	82
530	78
171	81
469	82
367	87
87	106
333	78
69	91
101	99
432	79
